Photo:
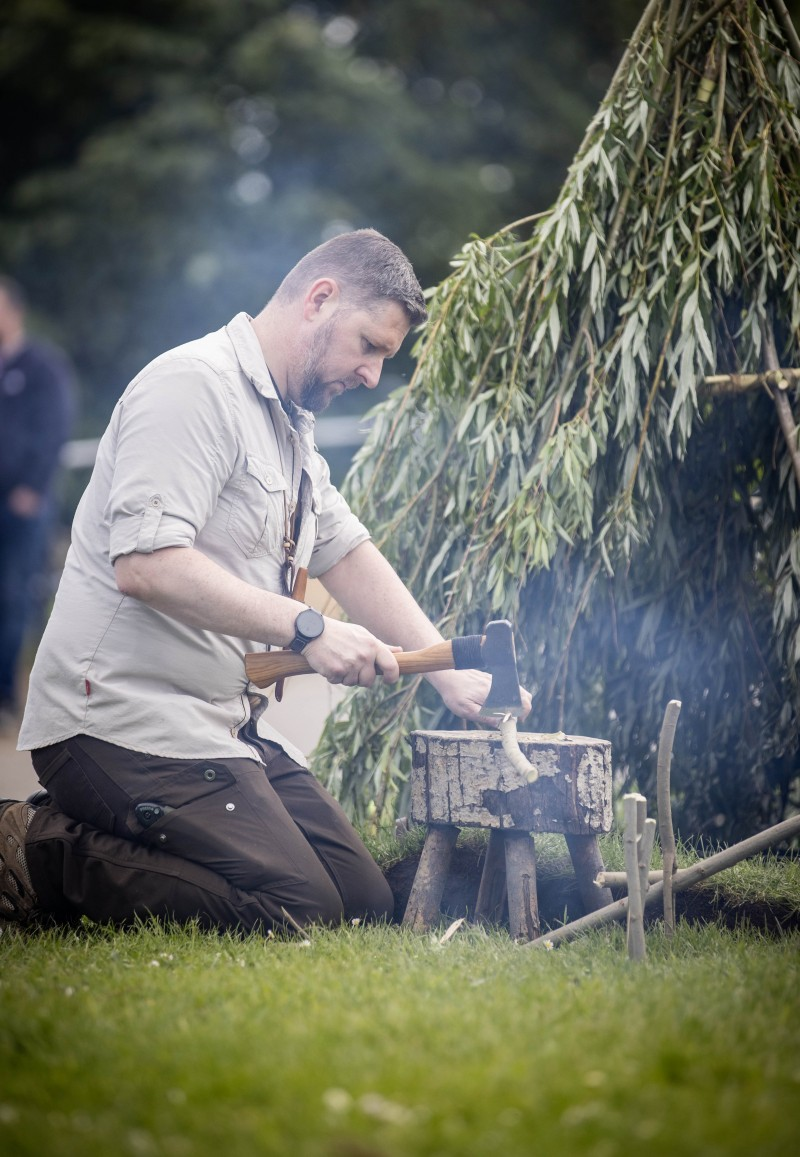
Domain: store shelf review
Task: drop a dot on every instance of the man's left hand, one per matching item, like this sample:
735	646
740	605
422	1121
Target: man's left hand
464	693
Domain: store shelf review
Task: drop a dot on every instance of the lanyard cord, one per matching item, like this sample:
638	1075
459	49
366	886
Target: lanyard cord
291	510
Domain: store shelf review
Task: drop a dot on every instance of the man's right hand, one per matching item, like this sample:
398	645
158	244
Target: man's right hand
349	654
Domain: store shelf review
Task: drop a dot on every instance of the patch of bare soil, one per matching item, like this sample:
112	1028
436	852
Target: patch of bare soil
559	901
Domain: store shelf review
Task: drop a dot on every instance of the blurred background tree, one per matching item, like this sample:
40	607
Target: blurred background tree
163	162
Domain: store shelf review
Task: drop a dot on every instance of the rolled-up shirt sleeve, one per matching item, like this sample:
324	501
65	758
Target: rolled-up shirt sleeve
175	447
338	529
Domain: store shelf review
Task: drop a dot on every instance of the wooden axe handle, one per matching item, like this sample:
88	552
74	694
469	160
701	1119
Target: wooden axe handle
265	667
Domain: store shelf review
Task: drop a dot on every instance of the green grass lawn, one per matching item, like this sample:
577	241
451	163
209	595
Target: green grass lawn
373	1042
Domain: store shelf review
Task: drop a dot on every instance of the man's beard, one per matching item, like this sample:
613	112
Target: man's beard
315	392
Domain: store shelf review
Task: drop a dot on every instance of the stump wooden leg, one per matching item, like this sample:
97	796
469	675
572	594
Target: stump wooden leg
492	891
587	862
424	902
523	903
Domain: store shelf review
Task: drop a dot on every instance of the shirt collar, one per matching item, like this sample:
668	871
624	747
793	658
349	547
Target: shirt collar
251	359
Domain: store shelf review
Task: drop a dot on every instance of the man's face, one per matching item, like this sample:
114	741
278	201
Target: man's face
348	350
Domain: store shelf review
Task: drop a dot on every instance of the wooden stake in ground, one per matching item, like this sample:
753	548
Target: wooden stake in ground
664	807
636	942
648	830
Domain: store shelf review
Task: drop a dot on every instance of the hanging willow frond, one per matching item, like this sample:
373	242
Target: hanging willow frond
557	460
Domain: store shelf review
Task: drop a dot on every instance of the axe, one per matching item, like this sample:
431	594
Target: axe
492	652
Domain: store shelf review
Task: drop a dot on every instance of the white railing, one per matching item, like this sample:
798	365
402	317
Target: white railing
332	432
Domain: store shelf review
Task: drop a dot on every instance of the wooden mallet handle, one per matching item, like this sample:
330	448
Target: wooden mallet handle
265	667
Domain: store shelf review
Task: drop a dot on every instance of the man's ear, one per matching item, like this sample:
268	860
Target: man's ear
321	299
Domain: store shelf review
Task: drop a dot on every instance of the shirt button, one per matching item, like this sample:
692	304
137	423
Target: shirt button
209	774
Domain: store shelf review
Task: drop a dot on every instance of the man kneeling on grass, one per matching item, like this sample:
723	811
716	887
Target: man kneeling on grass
166	792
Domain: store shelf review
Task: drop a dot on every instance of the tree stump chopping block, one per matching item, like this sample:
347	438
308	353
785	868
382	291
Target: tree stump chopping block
464	779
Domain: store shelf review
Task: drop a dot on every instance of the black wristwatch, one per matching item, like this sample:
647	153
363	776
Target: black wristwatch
308	626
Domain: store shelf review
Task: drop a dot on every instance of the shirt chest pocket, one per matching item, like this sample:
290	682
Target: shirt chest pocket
257	518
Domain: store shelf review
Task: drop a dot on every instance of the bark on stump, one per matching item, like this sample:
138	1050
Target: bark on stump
463	779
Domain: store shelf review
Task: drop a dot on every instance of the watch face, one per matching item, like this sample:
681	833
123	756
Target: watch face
309	624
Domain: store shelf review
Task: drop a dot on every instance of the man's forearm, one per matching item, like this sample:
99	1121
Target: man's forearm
188	586
370	592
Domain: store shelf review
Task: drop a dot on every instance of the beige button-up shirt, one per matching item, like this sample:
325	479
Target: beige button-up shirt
199	452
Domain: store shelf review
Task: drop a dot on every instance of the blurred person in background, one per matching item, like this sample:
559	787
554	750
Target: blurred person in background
36	405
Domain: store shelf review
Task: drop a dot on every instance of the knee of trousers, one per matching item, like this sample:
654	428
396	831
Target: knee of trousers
306	901
369	898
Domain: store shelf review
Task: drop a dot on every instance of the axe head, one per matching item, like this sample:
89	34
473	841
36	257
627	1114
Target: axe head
500	660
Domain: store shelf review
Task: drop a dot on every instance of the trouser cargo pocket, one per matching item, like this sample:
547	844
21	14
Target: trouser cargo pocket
209	820
220	813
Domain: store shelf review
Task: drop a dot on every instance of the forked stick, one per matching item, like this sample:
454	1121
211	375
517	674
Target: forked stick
684	878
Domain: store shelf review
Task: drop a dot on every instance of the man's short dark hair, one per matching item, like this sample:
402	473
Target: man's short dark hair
14	292
368	266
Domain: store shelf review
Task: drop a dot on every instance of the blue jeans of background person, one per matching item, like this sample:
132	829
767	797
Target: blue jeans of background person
23	543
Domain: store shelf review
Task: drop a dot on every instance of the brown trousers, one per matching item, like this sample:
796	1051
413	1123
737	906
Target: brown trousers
243	841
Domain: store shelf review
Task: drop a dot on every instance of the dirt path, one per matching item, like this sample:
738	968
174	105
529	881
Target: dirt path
16	774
